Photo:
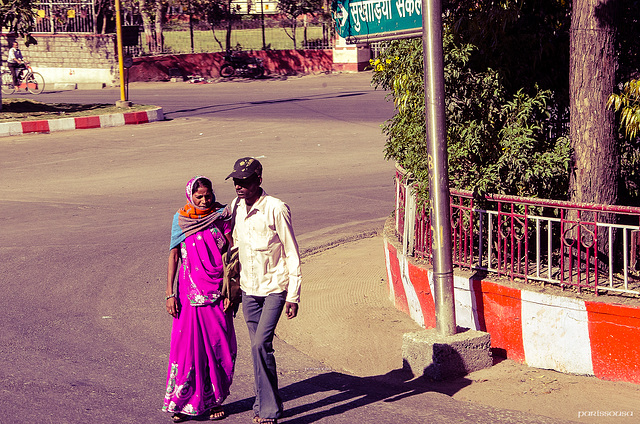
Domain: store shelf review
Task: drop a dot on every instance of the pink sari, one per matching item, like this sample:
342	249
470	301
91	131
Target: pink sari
203	340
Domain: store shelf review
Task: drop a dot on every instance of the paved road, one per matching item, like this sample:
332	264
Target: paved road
85	219
85	216
317	135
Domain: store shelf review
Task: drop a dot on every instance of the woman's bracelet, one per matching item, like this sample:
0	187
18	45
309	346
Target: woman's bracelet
170	296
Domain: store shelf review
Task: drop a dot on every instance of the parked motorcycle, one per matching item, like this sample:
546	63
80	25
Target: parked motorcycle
241	65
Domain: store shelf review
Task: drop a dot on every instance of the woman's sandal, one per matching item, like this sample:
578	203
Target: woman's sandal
178	418
217	413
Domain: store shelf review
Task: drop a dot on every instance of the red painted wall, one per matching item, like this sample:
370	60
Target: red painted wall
500	309
420	280
207	65
614	331
399	295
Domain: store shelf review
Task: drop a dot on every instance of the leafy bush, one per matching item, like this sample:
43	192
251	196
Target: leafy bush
627	105
496	143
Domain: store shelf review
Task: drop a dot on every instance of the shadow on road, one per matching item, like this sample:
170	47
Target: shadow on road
339	393
235	106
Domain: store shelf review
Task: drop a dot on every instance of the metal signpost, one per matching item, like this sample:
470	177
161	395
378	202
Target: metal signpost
376	20
438	167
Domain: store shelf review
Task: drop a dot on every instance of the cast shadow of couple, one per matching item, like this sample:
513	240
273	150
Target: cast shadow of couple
333	393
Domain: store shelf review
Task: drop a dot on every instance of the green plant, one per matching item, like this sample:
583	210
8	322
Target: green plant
496	143
628	104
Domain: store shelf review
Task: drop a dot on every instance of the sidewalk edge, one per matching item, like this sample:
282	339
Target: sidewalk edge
83	122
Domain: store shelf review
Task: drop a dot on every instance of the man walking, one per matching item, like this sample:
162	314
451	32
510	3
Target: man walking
269	277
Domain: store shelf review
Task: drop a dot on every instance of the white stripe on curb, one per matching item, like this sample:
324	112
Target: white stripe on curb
10	128
114	120
64	124
555	333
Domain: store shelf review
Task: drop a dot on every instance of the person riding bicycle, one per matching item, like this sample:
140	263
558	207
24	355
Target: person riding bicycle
16	64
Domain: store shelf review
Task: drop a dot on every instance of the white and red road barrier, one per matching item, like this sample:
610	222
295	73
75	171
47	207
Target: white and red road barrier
542	330
83	122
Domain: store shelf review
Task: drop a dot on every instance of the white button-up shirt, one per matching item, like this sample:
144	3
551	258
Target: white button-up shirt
267	248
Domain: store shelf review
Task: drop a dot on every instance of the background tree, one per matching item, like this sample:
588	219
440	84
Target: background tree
292	10
102	14
17	16
145	7
153	14
160	15
216	12
523	48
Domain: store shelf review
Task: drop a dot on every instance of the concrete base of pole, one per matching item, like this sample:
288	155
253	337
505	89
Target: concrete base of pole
436	357
123	103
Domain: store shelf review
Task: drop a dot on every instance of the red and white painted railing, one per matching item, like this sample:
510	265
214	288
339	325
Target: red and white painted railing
586	246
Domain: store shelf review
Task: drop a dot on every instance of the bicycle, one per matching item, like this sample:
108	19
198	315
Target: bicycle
32	81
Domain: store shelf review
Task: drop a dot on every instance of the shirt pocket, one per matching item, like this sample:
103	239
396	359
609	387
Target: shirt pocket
263	237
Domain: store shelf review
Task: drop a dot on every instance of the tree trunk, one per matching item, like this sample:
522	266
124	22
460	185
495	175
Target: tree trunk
146	25
160	9
293	28
229	26
305	39
264	40
595	172
596	162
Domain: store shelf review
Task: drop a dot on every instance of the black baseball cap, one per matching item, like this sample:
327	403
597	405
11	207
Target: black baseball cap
245	167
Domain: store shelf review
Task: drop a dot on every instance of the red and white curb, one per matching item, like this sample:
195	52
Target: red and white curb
541	330
83	122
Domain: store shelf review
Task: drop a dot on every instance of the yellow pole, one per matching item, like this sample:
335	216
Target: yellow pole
120	51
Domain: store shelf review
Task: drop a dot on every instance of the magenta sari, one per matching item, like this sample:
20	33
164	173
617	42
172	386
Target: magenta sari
203	340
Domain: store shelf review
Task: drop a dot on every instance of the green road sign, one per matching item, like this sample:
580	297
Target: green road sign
377	19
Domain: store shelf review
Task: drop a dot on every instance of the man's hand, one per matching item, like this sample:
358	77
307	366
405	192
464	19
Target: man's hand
291	309
226	304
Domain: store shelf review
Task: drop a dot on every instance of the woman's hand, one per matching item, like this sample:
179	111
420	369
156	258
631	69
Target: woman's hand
172	267
172	307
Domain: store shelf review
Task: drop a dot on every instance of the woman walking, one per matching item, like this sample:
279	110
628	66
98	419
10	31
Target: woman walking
203	340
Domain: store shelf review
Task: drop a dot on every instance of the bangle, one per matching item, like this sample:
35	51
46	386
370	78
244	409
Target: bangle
170	296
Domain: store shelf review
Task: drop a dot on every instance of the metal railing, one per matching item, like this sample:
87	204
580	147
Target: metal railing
55	16
585	246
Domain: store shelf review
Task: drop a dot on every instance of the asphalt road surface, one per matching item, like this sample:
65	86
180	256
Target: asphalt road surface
85	219
84	231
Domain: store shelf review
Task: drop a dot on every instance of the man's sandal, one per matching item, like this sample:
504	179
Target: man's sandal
258	420
217	413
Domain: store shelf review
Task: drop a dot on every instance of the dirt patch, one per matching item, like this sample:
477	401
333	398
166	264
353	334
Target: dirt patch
31	110
544	392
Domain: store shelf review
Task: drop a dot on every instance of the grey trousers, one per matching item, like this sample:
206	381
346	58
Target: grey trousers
262	315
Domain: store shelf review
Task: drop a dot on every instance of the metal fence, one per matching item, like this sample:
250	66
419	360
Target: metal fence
79	16
55	16
586	246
